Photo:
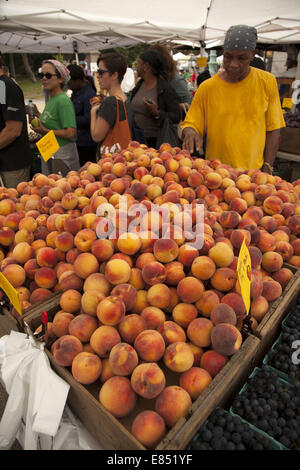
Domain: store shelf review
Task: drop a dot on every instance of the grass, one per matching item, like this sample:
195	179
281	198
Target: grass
32	91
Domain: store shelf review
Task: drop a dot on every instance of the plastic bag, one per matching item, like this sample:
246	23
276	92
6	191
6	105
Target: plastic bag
37	395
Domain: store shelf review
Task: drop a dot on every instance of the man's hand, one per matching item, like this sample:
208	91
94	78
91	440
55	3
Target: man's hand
267	168
41	129
192	141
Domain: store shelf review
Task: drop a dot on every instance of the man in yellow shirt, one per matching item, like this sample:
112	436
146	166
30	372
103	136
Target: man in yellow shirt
238	109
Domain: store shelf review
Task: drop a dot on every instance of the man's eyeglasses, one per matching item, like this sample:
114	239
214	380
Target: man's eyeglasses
48	75
101	72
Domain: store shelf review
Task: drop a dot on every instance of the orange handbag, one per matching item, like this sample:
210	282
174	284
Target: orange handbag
119	136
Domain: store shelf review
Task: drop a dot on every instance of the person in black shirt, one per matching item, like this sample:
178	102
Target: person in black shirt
15	155
82	92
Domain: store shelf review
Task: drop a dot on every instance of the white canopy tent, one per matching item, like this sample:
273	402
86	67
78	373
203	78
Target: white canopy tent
43	26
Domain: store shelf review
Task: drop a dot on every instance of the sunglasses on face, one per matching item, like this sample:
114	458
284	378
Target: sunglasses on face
47	75
101	72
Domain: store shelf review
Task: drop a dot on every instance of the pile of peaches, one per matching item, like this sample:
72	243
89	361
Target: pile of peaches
136	307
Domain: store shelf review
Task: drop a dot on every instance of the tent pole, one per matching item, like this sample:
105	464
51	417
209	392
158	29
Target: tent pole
296	87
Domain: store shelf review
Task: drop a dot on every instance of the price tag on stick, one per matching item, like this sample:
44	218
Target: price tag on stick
244	274
48	145
11	293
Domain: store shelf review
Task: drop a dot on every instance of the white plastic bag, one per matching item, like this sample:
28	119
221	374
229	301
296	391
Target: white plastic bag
37	395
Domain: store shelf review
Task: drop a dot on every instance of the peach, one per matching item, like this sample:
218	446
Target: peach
178	357
127	293
271	261
226	339
64	241
199	331
268	223
90	301
259	308
236	302
172	404
230	193
237	237
62	267
221	254
86	264
203	267
129	243
111	310
144	259
97	281
272	205
285	250
131	326
70	301
174	273
294	260
165	250
65	349
187	254
229	219
296	247
197	352
46	257
117	271
117	396
148	428
256	257
283	276
150	345
194	381
7	206
23	293
154	273
22	252
103	339
213	362
271	289
60	324
153	317
223	280
84	239
159	295
136	279
7	236
184	313
208	300
190	289
15	274
106	372
141	301
70	280
102	249
171	332
38	295
123	359
223	313
238	204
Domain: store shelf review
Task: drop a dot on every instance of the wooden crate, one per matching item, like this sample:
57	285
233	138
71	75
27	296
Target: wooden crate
112	433
17	322
270	326
220	393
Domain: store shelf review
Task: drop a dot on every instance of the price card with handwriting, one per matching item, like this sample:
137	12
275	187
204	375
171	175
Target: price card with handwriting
244	274
48	145
201	61
11	293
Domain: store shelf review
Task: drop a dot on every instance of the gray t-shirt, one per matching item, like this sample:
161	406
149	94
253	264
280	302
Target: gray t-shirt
142	116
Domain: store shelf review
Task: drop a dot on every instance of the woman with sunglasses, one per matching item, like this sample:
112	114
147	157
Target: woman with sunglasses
110	120
59	116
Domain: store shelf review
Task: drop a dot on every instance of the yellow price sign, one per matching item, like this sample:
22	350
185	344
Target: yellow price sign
201	61
287	103
244	274
11	293
48	145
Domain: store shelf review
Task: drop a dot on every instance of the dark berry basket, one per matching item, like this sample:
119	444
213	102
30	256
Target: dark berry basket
258	433
287	385
268	361
285	323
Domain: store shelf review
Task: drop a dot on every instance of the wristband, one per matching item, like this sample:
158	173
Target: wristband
269	166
